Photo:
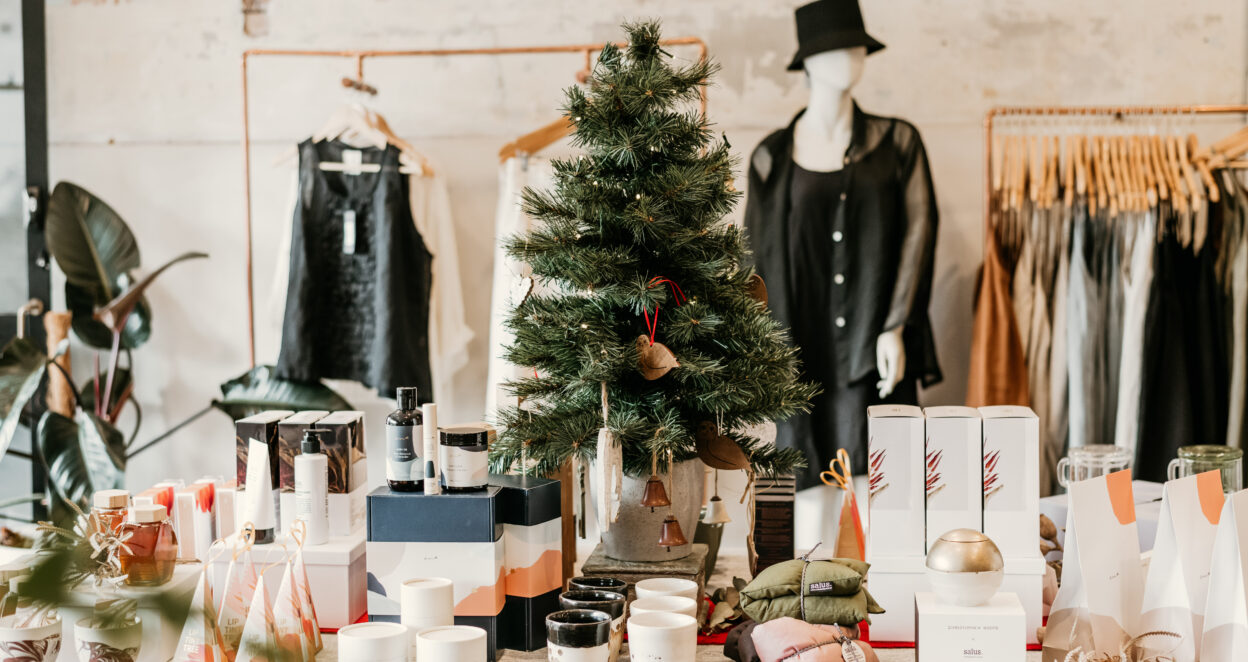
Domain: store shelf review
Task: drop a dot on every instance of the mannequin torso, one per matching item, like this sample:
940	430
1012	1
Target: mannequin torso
821	140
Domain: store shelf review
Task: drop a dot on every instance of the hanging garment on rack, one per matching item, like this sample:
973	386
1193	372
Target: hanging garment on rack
1236	219
1054	427
448	330
514	175
1138	283
1184	385
360	276
998	369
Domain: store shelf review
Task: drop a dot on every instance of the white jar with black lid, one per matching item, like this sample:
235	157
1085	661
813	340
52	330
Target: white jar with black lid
463	458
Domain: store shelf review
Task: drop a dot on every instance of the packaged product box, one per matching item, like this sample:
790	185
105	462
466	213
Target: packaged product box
992	631
531	512
193	525
954	474
289	439
773	520
225	509
1011	466
348	465
895	474
337	575
261	427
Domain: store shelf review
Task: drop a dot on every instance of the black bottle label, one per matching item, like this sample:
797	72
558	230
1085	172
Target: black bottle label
402	453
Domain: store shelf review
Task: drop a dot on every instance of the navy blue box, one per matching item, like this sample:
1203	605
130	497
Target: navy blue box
488	623
418	517
522	623
528	500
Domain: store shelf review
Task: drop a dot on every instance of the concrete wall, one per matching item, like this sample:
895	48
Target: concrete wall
145	111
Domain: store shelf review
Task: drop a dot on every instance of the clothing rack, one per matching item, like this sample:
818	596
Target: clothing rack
1117	112
358	83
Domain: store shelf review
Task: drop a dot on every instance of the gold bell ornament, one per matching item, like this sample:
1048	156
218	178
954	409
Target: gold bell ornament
655	495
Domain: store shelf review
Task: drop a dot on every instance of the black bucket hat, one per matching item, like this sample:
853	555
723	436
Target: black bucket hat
829	25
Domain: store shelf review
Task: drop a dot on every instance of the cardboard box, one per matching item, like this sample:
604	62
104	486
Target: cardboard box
348	465
1011	465
347	512
949	633
289	444
1024	577
261	427
895	470
467	517
337	574
954	471
522	623
893	581
476	568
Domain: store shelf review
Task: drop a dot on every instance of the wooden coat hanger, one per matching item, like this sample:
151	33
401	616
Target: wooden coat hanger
1069	174
1202	167
1055	153
1159	176
1178	185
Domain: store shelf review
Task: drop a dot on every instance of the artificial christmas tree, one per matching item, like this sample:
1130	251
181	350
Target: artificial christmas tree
632	229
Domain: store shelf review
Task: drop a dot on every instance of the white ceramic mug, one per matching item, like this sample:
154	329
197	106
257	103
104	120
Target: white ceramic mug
116	642
662	637
670	604
656	586
452	643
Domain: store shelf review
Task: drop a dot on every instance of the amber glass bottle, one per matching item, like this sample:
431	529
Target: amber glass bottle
110	506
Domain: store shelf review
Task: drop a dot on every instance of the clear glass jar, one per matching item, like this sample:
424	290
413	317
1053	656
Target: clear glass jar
1193	460
1086	462
153	547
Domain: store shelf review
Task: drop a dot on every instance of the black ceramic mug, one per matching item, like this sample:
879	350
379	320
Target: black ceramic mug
578	635
609	602
599	584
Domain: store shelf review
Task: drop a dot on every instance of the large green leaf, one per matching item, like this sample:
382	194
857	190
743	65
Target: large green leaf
82	303
83	455
258	390
97	251
90	242
21	369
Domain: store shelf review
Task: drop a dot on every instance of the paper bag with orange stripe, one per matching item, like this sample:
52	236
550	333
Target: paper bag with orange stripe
1097	608
1178	574
1226	610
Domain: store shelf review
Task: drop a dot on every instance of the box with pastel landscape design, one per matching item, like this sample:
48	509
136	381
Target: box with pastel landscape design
531	512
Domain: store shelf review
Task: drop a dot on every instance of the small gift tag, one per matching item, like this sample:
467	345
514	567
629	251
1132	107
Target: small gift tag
348	231
352	159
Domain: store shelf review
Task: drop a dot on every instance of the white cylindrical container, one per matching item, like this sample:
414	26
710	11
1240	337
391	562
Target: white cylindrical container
658	586
663	637
671	604
451	643
373	642
259	507
429	445
312	487
426	602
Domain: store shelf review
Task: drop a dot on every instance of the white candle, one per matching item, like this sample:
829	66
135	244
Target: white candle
454	643
373	642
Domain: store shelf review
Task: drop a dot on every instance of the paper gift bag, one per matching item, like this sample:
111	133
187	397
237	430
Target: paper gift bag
307	610
1178	574
1098	604
201	638
850	541
292	641
240	587
1226	609
259	641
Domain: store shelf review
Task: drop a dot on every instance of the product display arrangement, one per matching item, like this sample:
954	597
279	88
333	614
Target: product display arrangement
710	428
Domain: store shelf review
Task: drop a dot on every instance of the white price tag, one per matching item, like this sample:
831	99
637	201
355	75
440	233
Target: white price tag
348	231
351	161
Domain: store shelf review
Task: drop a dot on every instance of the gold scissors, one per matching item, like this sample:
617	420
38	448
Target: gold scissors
838	473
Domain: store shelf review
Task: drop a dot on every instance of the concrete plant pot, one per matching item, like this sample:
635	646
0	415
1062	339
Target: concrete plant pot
635	535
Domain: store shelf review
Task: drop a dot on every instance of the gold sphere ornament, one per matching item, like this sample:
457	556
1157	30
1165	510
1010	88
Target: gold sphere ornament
965	568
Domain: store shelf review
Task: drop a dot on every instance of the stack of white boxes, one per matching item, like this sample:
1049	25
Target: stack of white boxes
895	545
943	468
